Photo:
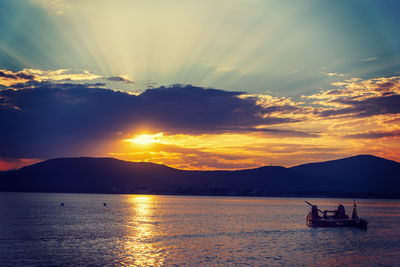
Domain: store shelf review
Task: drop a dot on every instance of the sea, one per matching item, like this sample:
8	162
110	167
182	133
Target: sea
46	229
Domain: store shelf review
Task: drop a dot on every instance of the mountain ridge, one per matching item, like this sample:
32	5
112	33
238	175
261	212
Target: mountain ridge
361	175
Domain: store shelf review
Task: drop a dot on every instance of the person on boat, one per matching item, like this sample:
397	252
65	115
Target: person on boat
354	216
314	212
340	213
325	216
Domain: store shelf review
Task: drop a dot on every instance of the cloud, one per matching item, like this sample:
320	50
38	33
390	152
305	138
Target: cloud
361	98
120	79
150	84
281	107
197	109
219	151
8	78
47	119
370	59
375	134
202	127
189	157
366	107
276	132
223	69
334	74
61	74
16	76
11	78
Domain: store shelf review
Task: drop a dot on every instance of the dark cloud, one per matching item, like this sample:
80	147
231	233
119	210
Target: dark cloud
335	92
120	79
283	109
50	120
374	135
150	84
15	76
367	107
201	109
25	76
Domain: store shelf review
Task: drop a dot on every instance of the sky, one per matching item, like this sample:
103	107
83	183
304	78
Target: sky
211	84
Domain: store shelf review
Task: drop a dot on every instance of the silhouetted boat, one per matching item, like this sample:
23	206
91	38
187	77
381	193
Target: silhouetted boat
334	218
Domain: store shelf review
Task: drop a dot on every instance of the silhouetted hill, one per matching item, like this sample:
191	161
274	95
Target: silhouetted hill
86	175
361	175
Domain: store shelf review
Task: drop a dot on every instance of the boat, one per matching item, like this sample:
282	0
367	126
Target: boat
334	218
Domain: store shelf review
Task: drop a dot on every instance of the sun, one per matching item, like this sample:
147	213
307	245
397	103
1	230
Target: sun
145	139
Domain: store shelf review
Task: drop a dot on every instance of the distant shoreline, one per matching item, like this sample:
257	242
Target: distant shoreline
347	196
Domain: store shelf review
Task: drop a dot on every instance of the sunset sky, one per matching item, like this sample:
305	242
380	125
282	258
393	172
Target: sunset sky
210	84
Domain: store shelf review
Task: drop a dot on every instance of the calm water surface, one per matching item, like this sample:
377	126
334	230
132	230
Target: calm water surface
182	230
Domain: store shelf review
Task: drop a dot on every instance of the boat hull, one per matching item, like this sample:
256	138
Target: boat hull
330	222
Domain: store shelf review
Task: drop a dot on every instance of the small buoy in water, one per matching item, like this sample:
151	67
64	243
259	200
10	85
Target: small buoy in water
62	204
104	204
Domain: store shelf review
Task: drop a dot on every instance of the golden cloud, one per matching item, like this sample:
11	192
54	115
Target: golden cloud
10	78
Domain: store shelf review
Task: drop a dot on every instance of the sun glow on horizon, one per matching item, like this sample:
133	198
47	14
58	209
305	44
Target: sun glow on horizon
145	139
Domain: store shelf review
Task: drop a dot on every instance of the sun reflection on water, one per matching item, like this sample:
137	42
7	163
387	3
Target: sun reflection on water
139	246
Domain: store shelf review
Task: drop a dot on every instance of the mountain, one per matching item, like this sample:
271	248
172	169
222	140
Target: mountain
84	175
107	175
362	175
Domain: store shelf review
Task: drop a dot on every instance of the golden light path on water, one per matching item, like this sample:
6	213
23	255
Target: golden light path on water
141	228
